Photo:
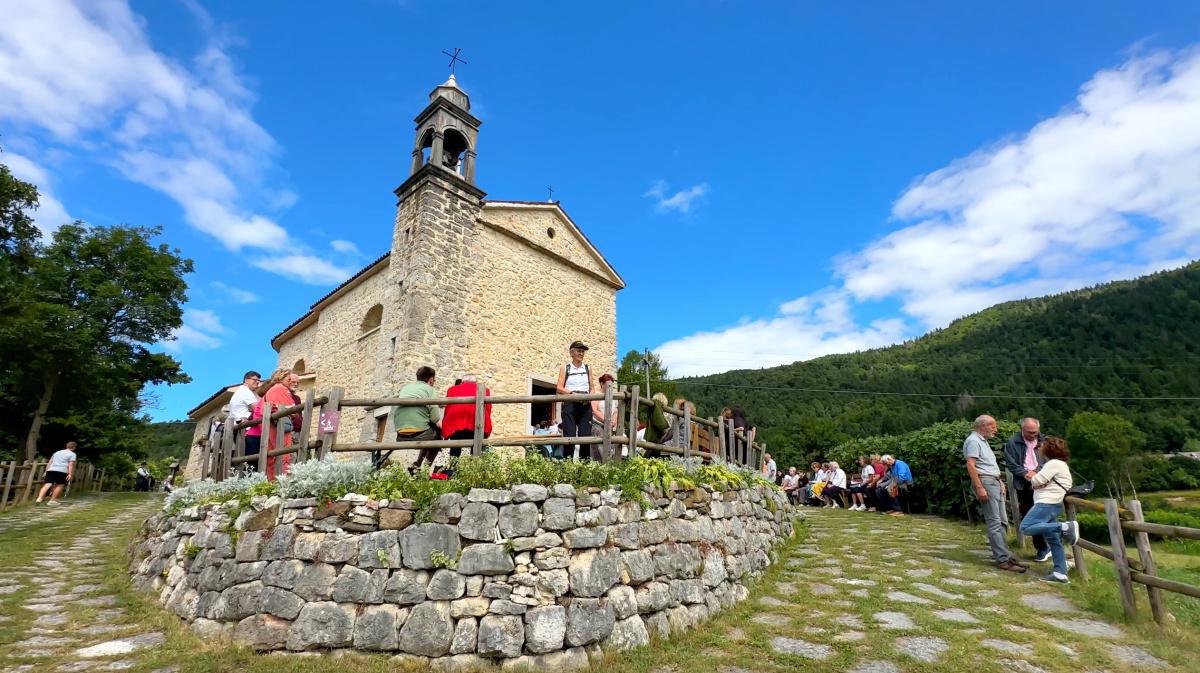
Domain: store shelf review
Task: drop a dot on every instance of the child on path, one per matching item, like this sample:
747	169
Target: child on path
59	471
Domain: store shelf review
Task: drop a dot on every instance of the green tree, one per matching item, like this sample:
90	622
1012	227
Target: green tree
799	442
76	344
632	372
18	238
1102	446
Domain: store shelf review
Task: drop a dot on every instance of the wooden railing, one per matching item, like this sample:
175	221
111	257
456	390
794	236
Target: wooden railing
701	437
20	481
1141	570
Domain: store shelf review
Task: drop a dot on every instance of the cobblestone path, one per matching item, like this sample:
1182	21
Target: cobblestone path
59	612
861	593
867	593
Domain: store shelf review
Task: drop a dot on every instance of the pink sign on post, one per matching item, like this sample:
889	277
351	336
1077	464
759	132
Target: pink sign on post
329	421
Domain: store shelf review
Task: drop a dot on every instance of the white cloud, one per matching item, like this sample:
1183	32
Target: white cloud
810	327
197	331
1105	189
681	201
304	268
50	213
86	73
345	247
235	295
1115	172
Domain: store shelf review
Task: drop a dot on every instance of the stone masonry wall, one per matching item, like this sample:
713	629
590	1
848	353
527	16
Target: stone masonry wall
531	577
524	317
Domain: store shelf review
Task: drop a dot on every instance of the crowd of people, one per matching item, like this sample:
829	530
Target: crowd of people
878	485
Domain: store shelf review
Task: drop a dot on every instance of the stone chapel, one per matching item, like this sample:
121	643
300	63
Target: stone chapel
470	285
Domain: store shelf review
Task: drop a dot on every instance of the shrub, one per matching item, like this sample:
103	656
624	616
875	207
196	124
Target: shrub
208	491
935	456
326	479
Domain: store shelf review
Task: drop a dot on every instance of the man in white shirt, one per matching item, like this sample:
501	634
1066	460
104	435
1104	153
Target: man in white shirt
770	469
241	406
59	471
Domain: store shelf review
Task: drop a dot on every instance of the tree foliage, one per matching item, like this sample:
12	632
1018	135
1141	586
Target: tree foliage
79	318
1134	339
1103	447
632	373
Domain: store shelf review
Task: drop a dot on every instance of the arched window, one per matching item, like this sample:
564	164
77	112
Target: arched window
426	146
299	368
454	149
373	319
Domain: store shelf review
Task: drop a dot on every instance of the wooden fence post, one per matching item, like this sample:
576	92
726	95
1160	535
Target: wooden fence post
606	430
1076	550
477	436
305	423
225	463
1014	509
263	440
280	443
333	404
1120	561
1150	567
634	404
100	484
8	477
720	443
686	429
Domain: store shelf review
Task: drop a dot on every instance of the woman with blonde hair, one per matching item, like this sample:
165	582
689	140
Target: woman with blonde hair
674	436
278	393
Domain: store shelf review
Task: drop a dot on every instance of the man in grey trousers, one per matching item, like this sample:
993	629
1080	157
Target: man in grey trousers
988	483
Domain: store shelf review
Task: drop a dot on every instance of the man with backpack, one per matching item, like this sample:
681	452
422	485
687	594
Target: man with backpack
575	378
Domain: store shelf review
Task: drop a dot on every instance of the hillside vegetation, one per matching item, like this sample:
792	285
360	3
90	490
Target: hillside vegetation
1135	339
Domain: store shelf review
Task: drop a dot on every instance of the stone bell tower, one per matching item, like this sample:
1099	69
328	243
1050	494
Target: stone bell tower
436	231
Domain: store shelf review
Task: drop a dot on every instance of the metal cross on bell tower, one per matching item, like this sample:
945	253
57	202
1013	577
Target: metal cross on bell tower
454	58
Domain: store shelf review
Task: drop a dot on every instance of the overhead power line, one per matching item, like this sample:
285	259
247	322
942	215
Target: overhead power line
884	393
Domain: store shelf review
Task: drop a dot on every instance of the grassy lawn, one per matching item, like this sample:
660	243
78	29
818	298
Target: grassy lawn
827	592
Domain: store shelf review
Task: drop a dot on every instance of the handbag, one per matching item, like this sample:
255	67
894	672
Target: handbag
1082	490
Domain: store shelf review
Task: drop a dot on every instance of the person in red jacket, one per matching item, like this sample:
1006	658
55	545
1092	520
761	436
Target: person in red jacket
459	419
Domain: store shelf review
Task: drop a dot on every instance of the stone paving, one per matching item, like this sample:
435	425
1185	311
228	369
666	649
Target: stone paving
929	607
846	599
73	617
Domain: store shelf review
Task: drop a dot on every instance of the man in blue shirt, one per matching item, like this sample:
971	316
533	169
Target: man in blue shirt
898	479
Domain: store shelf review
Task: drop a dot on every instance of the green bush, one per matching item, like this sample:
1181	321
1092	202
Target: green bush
935	456
1163	473
328	480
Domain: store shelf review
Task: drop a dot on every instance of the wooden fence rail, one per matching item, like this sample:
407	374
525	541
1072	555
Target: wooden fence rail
704	438
20	481
1142	570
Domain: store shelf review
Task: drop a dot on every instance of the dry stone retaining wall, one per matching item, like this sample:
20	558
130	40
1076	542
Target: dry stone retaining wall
529	577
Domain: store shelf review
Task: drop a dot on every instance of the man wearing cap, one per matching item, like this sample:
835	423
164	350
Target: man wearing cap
575	378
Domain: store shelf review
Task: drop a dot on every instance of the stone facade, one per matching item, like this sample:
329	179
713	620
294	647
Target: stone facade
528	577
494	288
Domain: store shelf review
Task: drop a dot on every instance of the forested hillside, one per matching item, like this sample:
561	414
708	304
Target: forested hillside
1129	339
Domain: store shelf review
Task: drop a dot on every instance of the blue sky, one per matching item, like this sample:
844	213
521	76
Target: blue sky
775	181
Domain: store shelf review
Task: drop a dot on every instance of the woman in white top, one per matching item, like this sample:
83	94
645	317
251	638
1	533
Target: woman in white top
575	378
1050	486
835	486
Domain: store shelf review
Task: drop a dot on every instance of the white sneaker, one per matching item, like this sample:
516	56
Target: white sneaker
836	506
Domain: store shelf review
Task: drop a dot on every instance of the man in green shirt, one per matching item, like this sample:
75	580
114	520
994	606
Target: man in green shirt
419	422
